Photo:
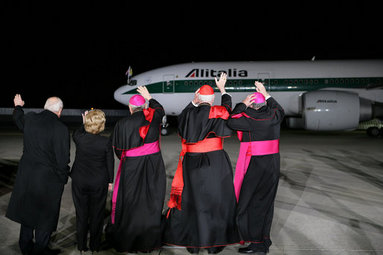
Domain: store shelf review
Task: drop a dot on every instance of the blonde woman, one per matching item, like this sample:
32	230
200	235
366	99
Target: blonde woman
92	176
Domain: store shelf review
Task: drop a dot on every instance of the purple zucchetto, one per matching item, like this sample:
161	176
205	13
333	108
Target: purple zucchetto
137	100
259	100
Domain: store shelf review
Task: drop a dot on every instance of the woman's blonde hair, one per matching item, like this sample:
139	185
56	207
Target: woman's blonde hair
95	121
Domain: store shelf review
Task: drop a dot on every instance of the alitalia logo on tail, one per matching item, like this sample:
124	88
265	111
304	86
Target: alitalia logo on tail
231	72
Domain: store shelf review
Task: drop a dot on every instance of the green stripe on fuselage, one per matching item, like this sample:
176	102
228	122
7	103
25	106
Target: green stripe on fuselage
279	85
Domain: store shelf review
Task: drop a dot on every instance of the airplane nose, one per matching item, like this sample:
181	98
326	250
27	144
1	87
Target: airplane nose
119	94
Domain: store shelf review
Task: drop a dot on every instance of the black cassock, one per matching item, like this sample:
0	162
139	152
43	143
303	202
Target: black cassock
259	187
136	224
43	170
207	215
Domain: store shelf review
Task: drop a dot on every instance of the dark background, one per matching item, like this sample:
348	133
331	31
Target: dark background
80	50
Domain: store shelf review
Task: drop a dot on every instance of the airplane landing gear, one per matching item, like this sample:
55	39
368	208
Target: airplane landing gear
164	126
374	131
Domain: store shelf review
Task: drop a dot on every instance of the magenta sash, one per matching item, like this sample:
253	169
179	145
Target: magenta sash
246	150
146	149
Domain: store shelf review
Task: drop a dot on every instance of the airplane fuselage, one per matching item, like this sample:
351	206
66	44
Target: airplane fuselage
287	81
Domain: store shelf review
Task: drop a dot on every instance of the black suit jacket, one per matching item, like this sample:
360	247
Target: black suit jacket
94	162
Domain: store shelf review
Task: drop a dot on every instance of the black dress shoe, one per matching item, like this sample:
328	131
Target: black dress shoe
249	250
105	245
49	251
193	250
215	250
148	251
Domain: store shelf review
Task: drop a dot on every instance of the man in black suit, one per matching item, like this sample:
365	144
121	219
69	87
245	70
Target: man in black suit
41	176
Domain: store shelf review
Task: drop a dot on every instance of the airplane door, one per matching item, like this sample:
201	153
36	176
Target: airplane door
168	83
265	79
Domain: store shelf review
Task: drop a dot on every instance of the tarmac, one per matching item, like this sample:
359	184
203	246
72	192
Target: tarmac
329	200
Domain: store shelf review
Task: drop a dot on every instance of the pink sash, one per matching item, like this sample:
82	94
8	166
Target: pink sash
146	149
246	150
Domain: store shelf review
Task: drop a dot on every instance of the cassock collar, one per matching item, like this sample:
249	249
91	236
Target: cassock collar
261	110
137	115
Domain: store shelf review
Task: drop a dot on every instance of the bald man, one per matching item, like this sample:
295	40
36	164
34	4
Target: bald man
41	176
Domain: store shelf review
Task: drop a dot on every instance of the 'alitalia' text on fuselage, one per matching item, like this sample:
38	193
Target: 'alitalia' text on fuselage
231	72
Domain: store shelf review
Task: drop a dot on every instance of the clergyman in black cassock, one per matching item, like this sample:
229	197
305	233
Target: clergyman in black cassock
140	185
91	173
258	167
202	202
43	171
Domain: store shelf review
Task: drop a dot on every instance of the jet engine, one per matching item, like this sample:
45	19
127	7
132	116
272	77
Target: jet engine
324	110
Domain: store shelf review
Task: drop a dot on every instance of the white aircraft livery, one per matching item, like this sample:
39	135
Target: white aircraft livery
316	95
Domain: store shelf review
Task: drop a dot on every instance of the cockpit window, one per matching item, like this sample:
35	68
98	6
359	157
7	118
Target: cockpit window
132	82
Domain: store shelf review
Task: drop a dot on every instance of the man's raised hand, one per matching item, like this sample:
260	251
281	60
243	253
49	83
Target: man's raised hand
261	89
248	100
221	82
144	92
18	101
196	100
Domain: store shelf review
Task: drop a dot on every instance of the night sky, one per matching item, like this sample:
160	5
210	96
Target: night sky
80	50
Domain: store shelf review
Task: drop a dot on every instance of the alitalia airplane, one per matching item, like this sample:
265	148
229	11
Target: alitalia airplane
316	95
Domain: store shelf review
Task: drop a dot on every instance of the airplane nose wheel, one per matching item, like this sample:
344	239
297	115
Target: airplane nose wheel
164	131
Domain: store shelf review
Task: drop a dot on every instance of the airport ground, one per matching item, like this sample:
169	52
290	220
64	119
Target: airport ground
329	201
